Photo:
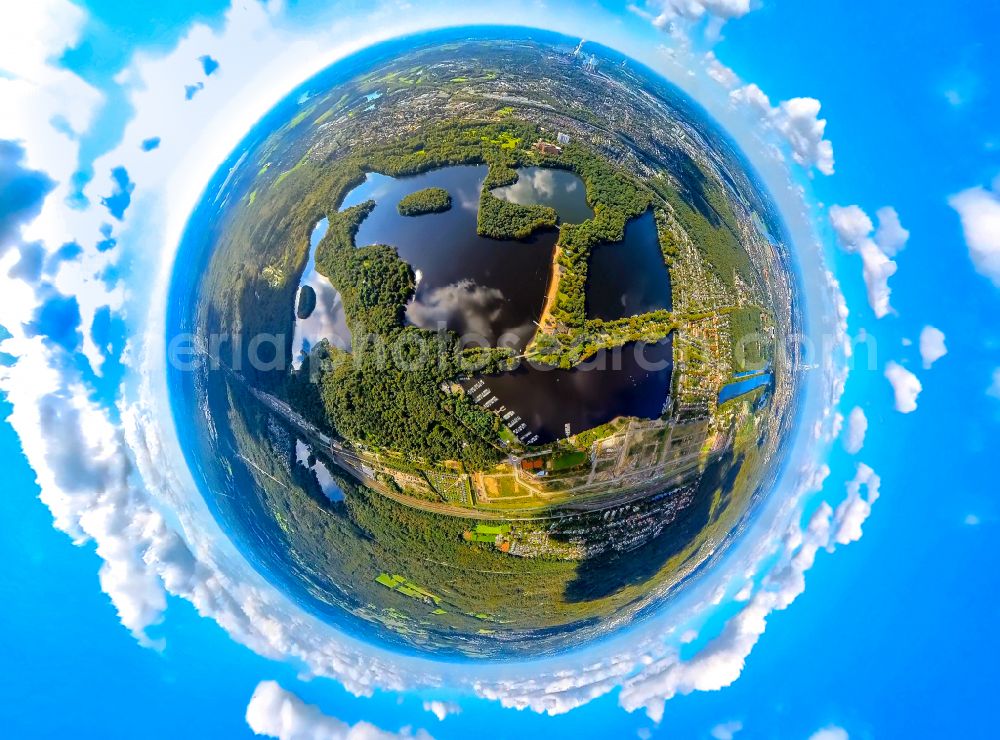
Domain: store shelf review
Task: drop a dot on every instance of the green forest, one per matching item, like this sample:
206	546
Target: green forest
422	202
373	282
348	544
616	198
751	347
501	219
369	398
356	395
711	227
386	393
396	403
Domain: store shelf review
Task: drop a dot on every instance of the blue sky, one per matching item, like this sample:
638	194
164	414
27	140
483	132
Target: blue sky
894	635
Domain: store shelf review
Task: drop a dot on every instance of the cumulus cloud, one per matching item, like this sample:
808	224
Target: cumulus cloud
21	192
669	14
994	389
979	211
877	268
891	236
103	471
441	709
854	232
836	424
852	512
831	732
797	121
46	110
851	225
726	730
35	93
905	385
857	426
86	479
932	346
276	712
719	72
722	660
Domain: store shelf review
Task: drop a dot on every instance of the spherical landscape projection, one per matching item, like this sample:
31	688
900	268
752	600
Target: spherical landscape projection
491	337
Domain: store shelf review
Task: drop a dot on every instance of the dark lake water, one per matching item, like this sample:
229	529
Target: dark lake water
327	321
544	186
305	456
487	290
547	403
492	291
630	277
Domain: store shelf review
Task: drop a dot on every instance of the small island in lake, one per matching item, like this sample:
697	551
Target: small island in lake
422	202
307	302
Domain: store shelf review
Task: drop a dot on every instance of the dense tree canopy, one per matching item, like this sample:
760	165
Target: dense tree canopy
428	200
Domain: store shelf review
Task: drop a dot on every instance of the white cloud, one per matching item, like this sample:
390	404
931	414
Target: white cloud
876	271
831	732
857	426
891	236
722	660
275	712
851	224
854	232
994	389
720	72
34	92
726	730
971	520
905	385
852	512
979	210
932	346
814	480
45	109
663	13
442	709
797	121
800	124
103	479
836	424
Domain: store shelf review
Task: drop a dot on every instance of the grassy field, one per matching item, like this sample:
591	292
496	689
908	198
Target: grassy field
567	461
